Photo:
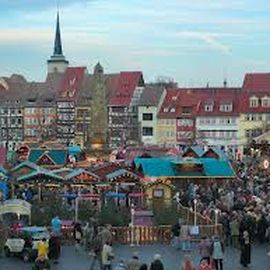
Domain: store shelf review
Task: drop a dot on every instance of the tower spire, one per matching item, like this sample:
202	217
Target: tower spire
57	41
57	62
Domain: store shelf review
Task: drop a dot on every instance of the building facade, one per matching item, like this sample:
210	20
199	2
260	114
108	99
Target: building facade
148	108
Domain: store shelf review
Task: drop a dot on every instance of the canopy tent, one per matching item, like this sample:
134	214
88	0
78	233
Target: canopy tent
16	206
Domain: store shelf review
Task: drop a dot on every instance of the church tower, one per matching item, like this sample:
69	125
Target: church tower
57	62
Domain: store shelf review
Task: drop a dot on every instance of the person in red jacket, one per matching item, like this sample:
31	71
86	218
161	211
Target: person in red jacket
204	265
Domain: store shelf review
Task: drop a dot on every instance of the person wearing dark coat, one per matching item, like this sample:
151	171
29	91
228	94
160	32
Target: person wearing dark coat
245	249
157	264
54	248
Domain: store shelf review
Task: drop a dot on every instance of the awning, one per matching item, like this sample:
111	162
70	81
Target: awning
18	207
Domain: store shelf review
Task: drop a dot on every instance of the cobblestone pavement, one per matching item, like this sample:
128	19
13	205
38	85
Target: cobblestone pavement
171	258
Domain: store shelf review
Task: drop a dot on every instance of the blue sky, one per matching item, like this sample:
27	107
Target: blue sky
193	42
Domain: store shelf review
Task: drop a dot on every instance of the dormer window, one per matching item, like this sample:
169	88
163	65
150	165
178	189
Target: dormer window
209	106
226	107
266	102
253	102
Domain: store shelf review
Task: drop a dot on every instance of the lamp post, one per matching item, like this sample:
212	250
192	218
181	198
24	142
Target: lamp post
216	219
195	212
132	225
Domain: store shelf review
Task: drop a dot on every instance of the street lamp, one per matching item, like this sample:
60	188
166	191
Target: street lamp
195	212
132	225
216	219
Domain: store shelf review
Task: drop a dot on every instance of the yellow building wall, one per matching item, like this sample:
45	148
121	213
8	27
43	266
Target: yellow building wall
166	189
166	131
245	125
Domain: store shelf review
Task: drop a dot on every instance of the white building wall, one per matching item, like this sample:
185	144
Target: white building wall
148	139
219	131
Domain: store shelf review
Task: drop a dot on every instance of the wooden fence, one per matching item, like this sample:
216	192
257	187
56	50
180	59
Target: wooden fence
141	235
188	216
146	235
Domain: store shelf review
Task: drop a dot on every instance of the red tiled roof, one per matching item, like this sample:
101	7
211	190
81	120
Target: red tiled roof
196	98
176	99
257	82
219	97
245	103
124	86
105	169
71	83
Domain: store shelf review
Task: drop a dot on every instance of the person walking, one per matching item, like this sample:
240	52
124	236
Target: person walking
43	248
107	256
54	248
245	249
187	264
218	253
144	267
77	234
205	249
234	227
157	263
96	252
134	262
204	265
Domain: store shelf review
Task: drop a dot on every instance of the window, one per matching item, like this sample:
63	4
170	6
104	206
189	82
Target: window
158	193
165	109
266	102
253	102
172	110
185	122
147	117
186	110
147	131
208	107
226	107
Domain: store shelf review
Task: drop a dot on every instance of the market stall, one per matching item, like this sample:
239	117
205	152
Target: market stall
18	207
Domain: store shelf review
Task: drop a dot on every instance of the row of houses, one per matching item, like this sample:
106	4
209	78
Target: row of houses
99	110
214	116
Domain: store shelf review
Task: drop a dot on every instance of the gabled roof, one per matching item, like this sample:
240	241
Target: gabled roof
151	96
120	172
26	163
218	97
59	156
197	150
78	172
63	171
220	153
124	87
71	83
244	105
40	173
257	82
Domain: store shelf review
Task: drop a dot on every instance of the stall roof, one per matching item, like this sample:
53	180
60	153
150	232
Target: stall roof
120	172
16	206
40	173
58	156
164	167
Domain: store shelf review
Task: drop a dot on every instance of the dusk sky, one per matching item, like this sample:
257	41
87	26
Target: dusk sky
194	42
